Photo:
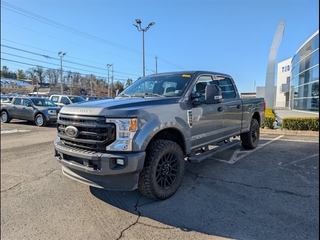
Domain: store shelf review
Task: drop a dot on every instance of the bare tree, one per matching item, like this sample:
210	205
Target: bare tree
31	74
40	73
53	75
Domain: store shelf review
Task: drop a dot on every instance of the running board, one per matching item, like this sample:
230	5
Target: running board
203	156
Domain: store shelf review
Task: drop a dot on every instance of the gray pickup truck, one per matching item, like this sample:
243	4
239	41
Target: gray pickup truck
143	137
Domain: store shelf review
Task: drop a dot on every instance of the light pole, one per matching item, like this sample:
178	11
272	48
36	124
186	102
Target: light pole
61	54
156	64
143	30
91	85
112	82
108	66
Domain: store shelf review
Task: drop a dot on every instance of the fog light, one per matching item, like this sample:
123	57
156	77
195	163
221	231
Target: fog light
120	161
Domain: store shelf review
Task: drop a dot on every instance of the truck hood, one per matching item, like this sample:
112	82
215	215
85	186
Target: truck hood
118	107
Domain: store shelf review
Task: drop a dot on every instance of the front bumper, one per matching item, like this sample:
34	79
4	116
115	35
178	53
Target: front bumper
100	169
52	118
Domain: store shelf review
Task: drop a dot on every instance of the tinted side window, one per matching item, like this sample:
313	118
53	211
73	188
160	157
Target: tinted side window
65	100
76	99
200	86
227	88
26	102
17	101
201	83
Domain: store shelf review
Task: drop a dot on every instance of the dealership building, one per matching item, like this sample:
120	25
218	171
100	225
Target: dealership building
297	79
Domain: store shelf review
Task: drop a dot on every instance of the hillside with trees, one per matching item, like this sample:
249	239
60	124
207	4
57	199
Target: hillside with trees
73	82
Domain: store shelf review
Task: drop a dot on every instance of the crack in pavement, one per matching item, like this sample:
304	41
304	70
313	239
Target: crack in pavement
248	185
5	190
139	215
33	179
133	224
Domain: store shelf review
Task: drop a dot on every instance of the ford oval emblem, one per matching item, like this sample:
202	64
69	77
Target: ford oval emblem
72	131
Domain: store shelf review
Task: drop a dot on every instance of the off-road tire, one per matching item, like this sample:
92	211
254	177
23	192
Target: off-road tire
250	140
40	120
163	170
5	117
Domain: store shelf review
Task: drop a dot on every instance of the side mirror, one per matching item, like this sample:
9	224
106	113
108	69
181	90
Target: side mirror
29	105
213	94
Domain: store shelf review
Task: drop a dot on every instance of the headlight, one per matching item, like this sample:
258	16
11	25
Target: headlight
125	131
52	112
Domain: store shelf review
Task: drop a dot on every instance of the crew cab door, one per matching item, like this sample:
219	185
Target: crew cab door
231	106
16	107
27	109
207	119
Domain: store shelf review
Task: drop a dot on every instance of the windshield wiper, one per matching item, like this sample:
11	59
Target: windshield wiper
124	95
147	94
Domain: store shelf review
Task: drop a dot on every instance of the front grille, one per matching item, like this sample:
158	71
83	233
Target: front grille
94	132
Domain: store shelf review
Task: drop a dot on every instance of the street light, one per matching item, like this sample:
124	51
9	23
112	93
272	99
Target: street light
61	54
112	82
108	66
143	30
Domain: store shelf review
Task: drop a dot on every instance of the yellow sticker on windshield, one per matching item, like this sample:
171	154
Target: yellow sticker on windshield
186	75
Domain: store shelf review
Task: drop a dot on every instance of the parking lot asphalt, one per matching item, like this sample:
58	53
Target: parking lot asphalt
271	192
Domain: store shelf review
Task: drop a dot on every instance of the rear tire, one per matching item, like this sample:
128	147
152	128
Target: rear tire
163	171
5	117
40	120
250	140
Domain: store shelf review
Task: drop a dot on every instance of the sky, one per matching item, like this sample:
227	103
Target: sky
227	36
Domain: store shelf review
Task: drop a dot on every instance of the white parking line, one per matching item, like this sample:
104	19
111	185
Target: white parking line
299	140
13	131
234	158
300	160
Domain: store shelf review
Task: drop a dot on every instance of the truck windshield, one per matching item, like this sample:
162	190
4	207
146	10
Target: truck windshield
76	99
166	85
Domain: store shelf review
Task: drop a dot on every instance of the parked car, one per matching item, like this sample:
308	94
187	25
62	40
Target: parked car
39	110
5	99
62	100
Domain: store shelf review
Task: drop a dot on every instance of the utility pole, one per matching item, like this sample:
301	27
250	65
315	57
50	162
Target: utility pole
156	64
112	82
108	66
61	55
91	85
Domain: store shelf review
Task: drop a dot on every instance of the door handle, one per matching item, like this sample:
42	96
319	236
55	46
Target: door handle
220	109
238	106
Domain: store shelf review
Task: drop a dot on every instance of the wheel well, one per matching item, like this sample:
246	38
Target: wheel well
43	116
172	135
4	111
256	116
38	113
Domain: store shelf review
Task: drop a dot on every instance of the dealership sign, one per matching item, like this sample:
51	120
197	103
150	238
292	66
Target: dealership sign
286	68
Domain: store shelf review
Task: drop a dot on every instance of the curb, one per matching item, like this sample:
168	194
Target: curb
289	132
